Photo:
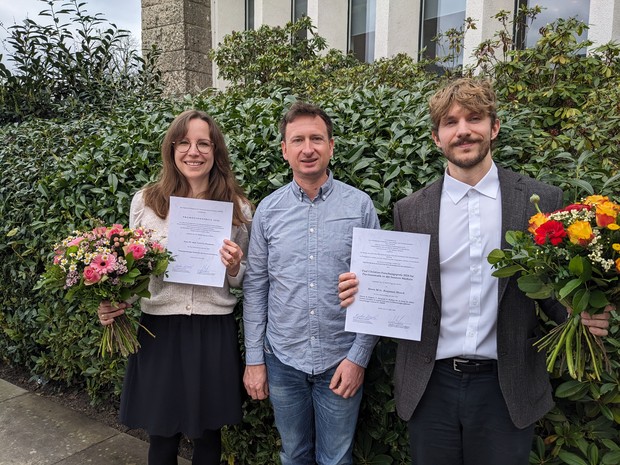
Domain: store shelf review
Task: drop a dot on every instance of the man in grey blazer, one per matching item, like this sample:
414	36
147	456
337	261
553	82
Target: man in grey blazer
473	386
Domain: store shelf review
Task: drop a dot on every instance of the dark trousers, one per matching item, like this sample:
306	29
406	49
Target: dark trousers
207	449
462	419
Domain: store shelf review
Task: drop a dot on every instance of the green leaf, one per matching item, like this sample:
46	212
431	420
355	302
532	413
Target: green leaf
598	299
580	267
530	283
581	300
571	388
569	287
160	267
514	237
507	271
496	255
570	458
611	458
12	232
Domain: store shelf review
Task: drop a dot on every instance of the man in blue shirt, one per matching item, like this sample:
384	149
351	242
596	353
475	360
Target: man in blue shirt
297	351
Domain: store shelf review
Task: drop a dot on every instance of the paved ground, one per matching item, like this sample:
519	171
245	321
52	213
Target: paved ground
37	431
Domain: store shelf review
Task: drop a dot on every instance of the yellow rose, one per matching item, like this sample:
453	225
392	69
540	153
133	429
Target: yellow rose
580	232
536	221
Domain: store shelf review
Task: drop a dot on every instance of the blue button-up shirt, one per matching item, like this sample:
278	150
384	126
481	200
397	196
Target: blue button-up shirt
298	247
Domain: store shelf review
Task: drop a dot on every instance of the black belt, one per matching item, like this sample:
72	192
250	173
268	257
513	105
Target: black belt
464	365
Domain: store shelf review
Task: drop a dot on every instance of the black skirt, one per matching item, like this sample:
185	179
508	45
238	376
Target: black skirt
185	380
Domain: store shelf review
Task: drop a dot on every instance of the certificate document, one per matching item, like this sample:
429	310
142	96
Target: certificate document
196	231
391	269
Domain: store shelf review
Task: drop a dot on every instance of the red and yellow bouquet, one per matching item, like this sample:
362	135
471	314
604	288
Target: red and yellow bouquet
107	263
571	255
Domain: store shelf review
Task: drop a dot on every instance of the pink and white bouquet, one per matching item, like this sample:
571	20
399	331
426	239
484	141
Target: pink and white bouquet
107	263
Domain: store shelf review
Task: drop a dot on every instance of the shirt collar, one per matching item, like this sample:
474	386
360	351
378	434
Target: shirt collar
324	190
488	185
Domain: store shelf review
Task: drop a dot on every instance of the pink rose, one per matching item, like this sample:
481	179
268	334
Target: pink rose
99	231
91	276
135	249
115	229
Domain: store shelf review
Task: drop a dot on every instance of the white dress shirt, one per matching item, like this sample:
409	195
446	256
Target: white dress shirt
470	220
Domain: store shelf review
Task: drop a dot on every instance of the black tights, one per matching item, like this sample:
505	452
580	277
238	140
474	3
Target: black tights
207	449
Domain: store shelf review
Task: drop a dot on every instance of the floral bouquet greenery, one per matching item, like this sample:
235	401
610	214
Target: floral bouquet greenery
571	255
107	263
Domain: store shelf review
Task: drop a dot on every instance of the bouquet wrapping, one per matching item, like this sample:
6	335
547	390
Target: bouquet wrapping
571	255
107	263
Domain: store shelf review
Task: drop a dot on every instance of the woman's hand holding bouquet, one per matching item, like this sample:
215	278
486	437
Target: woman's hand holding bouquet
107	266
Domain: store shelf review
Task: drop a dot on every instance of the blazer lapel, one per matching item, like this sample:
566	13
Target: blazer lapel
429	220
514	210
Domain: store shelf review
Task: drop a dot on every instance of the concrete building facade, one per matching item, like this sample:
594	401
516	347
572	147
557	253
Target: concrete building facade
185	30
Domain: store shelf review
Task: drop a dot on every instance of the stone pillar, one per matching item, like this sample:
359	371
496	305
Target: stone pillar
181	29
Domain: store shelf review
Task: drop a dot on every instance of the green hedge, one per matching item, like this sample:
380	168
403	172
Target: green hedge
57	175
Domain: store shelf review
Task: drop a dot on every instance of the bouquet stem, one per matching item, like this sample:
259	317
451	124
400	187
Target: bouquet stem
121	337
571	342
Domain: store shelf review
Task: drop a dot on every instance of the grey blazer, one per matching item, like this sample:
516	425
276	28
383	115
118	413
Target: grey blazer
521	368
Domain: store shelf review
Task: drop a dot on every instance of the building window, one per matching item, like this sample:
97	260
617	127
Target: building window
552	10
249	15
362	19
438	17
299	9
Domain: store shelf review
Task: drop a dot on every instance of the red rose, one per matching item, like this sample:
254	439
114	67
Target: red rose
575	206
552	230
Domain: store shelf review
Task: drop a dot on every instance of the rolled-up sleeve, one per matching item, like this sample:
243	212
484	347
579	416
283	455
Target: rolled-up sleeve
362	347
241	237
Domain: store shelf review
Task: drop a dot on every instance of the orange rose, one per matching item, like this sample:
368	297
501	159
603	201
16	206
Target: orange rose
536	221
580	232
606	213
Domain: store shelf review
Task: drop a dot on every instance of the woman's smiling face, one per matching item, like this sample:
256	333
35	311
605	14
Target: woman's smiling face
194	164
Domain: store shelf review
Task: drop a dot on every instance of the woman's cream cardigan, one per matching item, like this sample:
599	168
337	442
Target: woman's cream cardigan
169	298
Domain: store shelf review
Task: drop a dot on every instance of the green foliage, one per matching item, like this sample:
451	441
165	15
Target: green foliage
260	62
58	175
259	56
72	67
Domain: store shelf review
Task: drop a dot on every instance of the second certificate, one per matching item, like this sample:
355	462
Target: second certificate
391	268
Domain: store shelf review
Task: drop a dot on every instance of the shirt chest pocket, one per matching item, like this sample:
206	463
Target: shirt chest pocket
336	236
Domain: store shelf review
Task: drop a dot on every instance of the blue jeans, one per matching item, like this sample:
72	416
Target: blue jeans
316	426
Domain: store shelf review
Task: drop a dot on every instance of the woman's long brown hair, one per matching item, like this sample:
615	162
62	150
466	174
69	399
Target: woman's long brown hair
222	184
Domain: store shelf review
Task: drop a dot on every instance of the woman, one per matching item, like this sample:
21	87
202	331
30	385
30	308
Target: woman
186	380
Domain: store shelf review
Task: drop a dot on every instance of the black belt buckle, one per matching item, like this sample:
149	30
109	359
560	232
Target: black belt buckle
458	360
